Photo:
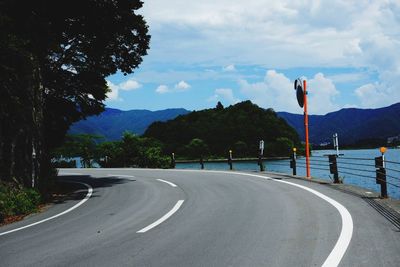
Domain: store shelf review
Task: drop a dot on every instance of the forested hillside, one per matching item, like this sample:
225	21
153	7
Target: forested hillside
112	123
354	126
215	131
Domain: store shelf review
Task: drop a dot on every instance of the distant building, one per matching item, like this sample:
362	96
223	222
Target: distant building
393	140
324	144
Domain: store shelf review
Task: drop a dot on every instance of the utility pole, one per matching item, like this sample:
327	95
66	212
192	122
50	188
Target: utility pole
306	129
301	94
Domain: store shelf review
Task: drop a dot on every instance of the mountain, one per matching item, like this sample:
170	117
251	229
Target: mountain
352	125
113	122
239	127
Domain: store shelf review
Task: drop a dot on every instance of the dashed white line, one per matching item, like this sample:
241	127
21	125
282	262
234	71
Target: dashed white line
88	195
171	184
163	218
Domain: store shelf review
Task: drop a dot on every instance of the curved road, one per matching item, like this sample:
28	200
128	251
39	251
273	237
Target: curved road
140	217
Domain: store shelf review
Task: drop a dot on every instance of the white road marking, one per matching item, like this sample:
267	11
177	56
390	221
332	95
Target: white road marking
121	175
163	218
346	233
88	195
171	184
71	173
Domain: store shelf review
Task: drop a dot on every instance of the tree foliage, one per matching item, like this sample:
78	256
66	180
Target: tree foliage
130	151
197	148
240	126
54	58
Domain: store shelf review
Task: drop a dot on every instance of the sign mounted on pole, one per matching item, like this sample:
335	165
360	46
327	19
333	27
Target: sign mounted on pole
298	86
301	95
261	147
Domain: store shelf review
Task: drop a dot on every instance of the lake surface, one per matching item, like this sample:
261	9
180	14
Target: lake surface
356	167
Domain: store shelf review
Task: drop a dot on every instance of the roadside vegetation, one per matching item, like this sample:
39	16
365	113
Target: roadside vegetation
17	201
92	150
54	61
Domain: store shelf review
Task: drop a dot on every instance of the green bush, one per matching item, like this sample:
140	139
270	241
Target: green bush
15	200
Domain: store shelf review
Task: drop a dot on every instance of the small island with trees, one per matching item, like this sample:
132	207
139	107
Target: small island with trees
206	134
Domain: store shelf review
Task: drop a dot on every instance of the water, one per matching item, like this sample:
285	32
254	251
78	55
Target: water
356	167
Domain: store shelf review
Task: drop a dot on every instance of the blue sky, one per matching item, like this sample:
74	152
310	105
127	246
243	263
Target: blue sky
202	52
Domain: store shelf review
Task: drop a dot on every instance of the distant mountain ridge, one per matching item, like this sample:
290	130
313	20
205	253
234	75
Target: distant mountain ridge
352	125
113	122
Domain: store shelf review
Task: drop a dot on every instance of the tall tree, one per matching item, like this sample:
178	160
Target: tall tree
70	48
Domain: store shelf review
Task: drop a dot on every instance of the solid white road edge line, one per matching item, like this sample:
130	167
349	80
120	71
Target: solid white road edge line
171	184
163	218
346	233
88	195
70	173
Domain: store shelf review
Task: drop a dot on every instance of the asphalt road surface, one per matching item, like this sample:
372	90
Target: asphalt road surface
135	217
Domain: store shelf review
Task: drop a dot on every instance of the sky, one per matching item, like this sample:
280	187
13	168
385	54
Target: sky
202	52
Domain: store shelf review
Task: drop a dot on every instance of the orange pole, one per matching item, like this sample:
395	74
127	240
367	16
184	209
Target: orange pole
306	129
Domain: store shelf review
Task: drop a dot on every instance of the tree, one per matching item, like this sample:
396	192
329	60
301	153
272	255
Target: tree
219	106
131	149
241	149
153	158
58	56
281	147
197	148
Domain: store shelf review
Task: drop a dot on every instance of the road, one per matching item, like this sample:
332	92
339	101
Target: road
138	217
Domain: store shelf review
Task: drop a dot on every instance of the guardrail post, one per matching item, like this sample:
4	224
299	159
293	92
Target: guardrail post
293	158
201	163
230	160
260	163
333	168
173	161
381	175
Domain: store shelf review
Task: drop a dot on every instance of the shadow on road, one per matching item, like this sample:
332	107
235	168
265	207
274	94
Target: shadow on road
70	187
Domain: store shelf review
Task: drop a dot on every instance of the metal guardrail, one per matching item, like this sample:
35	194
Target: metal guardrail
376	168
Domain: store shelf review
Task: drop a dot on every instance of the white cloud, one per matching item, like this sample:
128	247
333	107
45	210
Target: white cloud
162	89
229	68
277	92
127	85
182	86
112	95
224	94
347	77
179	87
283	34
322	93
374	95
